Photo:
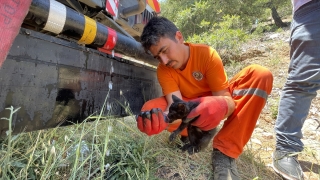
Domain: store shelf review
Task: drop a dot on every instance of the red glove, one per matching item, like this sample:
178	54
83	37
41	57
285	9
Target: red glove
211	110
152	122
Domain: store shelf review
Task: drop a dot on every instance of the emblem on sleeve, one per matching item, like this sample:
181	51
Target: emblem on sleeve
197	75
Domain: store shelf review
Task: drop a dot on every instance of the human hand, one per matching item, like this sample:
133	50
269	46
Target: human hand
211	111
152	122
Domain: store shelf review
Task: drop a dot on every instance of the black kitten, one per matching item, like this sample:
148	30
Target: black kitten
198	139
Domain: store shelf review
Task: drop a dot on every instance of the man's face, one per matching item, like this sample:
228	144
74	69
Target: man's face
169	52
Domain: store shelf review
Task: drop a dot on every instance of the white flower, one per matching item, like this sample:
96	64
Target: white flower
66	138
53	151
109	128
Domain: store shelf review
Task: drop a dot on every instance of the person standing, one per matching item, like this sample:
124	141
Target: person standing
301	87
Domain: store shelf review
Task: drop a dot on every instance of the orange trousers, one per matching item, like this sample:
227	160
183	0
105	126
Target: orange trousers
249	89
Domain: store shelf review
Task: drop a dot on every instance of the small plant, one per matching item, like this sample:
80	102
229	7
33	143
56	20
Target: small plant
226	37
5	163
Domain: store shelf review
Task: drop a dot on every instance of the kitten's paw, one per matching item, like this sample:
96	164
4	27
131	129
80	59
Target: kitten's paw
172	136
185	147
185	139
193	149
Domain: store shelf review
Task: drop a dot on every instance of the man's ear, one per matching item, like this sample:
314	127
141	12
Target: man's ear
179	37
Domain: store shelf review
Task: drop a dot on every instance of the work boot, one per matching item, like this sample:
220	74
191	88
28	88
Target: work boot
224	167
287	165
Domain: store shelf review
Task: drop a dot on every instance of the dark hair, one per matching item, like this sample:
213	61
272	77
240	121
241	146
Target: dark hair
156	28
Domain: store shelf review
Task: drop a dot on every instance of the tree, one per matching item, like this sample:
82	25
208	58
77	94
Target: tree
275	15
198	16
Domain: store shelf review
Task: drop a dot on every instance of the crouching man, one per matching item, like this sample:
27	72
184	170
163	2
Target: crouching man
195	72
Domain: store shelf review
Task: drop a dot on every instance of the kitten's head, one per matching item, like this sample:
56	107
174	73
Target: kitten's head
178	109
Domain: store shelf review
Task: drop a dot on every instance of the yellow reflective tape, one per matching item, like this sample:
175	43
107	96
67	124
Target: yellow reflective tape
90	31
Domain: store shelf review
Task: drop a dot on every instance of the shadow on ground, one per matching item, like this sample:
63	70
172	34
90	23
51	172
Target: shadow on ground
309	166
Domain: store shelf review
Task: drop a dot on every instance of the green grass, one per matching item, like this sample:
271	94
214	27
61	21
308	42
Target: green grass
107	148
111	148
92	149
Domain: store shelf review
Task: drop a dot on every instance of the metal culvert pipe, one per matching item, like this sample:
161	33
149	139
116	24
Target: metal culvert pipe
60	19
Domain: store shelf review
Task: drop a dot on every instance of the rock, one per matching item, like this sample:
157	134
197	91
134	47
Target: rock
257	124
313	110
267	135
310	125
256	141
192	167
258	130
273	36
269	149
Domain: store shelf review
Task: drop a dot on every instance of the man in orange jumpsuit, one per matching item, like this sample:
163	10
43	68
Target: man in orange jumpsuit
195	72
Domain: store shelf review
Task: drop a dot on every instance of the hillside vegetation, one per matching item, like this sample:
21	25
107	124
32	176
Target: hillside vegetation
226	25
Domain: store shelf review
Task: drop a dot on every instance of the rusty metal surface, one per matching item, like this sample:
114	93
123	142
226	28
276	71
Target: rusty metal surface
56	81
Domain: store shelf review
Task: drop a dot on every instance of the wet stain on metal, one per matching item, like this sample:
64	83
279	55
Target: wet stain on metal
50	87
57	82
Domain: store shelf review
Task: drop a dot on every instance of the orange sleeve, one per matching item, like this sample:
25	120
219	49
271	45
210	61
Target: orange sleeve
216	76
166	80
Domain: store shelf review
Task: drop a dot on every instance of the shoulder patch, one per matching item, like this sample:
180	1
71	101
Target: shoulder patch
197	75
